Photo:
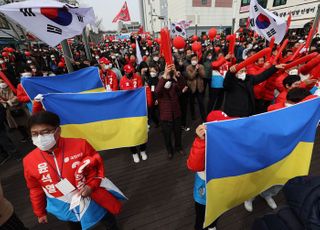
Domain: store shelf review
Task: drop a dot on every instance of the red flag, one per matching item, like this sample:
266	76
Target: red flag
123	15
141	30
248	24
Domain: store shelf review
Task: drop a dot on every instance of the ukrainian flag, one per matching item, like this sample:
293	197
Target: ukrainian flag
107	120
244	157
84	80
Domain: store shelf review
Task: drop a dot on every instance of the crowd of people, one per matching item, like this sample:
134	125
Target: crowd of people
209	79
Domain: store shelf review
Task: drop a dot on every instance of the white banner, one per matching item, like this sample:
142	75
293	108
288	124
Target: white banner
50	21
266	24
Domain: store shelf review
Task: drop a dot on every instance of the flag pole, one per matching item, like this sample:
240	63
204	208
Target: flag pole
67	54
86	44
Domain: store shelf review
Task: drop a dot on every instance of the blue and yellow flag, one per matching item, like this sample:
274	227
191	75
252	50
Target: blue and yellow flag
107	120
84	80
244	157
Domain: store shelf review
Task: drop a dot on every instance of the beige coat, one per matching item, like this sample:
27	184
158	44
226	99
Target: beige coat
195	78
6	208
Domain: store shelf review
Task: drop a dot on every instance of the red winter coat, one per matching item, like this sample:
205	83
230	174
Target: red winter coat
129	84
41	174
22	95
282	97
276	106
109	78
196	159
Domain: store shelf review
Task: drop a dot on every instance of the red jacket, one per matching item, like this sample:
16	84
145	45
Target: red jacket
129	84
109	78
40	170
196	159
22	95
276	106
282	97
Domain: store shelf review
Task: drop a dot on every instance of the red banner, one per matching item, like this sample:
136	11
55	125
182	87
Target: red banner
123	15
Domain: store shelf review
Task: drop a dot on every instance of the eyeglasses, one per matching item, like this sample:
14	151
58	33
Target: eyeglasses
43	132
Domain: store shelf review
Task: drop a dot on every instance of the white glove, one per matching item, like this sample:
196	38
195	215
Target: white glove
108	88
168	85
38	98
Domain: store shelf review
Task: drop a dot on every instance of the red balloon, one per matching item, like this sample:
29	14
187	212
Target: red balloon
194	38
133	46
27	53
217	49
5	54
149	43
212	33
196	46
241	30
218	36
204	37
179	42
5	49
10	50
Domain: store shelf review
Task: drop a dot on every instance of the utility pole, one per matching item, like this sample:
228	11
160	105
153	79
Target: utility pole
142	17
86	44
234	6
67	54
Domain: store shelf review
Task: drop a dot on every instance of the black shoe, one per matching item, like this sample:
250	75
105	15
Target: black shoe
170	156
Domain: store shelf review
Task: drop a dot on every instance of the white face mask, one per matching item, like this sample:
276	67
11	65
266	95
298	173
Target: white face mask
156	58
29	61
241	76
106	67
26	75
1	62
194	63
153	74
3	85
44	142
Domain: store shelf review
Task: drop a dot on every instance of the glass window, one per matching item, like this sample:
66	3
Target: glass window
204	2
262	3
279	2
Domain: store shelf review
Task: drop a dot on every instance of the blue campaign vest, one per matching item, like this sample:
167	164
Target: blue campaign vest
217	80
199	190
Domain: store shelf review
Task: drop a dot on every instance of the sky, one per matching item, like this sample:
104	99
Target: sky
108	9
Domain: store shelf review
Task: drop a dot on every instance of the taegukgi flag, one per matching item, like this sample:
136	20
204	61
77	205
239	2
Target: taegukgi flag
51	21
267	24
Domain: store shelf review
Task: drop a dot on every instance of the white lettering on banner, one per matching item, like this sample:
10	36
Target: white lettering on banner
46	178
43	168
51	188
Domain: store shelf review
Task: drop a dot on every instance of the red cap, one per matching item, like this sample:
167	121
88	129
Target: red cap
128	69
61	64
104	60
217	115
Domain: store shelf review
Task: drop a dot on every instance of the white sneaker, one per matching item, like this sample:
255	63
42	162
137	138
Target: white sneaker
248	205
144	155
136	158
270	201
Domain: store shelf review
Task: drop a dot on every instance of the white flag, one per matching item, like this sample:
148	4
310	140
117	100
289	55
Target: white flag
179	28
266	24
138	53
50	21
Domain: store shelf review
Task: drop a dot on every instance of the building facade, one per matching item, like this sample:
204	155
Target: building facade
204	14
302	11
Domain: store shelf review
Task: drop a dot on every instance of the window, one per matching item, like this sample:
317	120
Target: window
3	23
279	2
262	3
204	2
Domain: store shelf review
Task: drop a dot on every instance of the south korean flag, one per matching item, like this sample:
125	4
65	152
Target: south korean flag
267	24
177	30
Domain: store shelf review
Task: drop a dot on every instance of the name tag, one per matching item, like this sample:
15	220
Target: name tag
65	187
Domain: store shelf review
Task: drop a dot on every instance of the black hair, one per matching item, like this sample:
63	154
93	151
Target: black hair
44	118
194	55
297	94
290	80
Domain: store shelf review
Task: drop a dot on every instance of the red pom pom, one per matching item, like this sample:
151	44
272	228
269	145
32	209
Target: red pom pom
179	42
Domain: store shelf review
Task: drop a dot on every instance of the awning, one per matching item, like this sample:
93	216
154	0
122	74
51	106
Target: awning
299	24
